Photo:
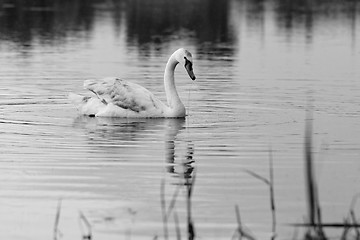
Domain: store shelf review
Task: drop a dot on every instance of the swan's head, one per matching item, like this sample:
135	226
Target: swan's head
184	57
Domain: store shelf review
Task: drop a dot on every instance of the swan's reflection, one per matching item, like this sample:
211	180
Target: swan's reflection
111	133
173	128
117	130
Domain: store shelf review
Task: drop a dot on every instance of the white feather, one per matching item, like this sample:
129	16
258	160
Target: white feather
120	98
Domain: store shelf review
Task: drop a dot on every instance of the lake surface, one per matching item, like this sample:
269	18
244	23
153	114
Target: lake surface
259	65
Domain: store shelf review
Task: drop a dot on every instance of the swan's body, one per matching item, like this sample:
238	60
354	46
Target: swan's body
119	98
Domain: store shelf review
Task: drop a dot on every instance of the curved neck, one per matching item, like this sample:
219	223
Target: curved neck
172	96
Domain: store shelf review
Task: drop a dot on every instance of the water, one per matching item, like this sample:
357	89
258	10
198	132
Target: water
257	65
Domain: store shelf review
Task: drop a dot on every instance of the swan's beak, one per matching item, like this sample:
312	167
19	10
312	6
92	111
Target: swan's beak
189	70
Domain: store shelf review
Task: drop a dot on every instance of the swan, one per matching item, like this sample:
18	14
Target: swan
114	97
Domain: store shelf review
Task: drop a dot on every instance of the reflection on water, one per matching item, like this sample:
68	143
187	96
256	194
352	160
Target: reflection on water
158	22
172	129
185	166
114	134
256	62
151	24
148	22
118	130
45	22
294	15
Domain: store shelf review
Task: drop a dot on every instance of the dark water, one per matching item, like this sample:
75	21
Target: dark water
257	63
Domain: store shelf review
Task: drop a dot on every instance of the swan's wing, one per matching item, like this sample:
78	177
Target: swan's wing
123	94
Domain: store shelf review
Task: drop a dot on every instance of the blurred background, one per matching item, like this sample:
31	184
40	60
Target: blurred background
151	25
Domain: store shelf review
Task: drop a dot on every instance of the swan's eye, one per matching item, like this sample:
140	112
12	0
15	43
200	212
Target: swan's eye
188	64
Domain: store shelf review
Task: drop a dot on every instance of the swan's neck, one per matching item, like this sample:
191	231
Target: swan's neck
172	96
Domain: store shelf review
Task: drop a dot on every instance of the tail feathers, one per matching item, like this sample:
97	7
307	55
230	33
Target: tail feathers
77	99
89	83
86	105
